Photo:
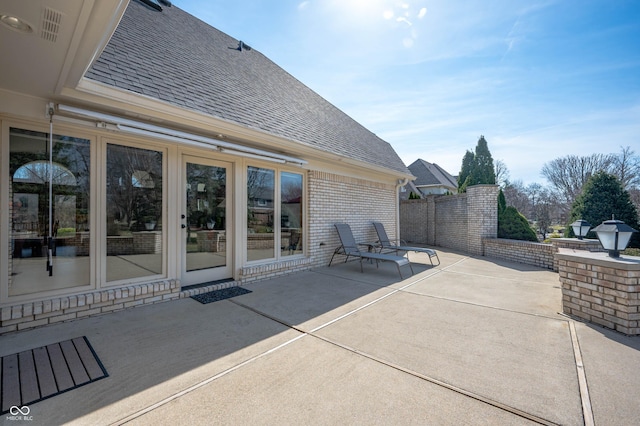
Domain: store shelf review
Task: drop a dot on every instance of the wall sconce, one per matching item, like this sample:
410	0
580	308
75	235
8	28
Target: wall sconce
614	235
580	228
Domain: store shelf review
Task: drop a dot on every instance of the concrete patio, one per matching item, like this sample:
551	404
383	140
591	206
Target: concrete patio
471	341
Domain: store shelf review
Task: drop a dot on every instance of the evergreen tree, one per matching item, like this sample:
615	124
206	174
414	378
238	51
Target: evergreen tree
602	197
502	201
477	168
465	171
512	224
484	172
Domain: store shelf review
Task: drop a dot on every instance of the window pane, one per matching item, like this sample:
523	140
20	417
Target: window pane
30	173
291	213
134	212
260	206
206	202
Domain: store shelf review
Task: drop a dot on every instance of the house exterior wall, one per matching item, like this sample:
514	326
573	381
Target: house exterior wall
435	190
341	199
330	195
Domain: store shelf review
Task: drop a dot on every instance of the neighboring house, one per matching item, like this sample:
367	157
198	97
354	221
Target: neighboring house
144	152
408	189
432	179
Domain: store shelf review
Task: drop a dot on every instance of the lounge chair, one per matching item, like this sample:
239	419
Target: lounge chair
385	244
349	248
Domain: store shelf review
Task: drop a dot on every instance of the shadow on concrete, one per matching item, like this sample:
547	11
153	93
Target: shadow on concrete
158	350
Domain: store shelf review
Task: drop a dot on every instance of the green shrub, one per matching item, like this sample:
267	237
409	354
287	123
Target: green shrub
513	225
602	197
62	232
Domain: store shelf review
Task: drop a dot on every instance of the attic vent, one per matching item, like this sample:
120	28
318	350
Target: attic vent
50	25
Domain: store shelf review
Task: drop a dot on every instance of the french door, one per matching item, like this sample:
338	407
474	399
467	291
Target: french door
206	220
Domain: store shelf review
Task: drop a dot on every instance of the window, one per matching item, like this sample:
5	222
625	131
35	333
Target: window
49	212
134	212
260	206
291	213
274	214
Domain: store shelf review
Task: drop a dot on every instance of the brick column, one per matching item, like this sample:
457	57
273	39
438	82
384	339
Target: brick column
482	213
601	289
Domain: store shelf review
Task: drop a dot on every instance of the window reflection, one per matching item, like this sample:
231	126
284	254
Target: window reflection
291	213
206	204
33	176
275	214
134	212
260	206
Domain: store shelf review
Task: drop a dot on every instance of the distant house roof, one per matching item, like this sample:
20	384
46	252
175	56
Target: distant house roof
176	58
406	191
430	174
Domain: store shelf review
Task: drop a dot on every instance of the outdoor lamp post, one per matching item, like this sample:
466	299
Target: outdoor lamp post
580	228
614	235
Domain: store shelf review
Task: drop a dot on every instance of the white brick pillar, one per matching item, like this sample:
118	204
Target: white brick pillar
482	213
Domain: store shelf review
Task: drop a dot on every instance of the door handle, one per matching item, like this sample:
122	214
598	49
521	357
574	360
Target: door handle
183	226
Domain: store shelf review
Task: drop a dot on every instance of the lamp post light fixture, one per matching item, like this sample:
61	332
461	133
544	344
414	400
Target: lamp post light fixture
580	228
614	235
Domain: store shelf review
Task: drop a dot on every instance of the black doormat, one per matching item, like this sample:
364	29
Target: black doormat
33	375
225	293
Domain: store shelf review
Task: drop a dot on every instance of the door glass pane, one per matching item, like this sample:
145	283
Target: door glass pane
134	212
260	209
291	213
206	216
33	210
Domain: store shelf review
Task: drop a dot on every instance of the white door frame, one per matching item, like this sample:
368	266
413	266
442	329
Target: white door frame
214	273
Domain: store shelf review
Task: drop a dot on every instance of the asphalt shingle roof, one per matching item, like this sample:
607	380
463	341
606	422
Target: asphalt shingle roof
176	58
431	174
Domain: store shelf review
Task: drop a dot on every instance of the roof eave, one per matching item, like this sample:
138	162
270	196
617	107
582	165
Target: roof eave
102	97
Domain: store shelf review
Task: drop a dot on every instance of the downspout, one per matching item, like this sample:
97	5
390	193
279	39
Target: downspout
400	184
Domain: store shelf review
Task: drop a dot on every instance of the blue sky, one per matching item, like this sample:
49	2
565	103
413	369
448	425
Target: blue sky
539	79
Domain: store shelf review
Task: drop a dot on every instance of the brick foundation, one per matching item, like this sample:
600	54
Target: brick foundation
65	308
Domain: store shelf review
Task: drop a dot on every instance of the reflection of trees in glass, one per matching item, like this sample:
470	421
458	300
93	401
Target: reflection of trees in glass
260	193
134	188
291	200
206	192
291	212
29	168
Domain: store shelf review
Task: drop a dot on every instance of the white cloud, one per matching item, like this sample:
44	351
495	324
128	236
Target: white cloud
422	13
